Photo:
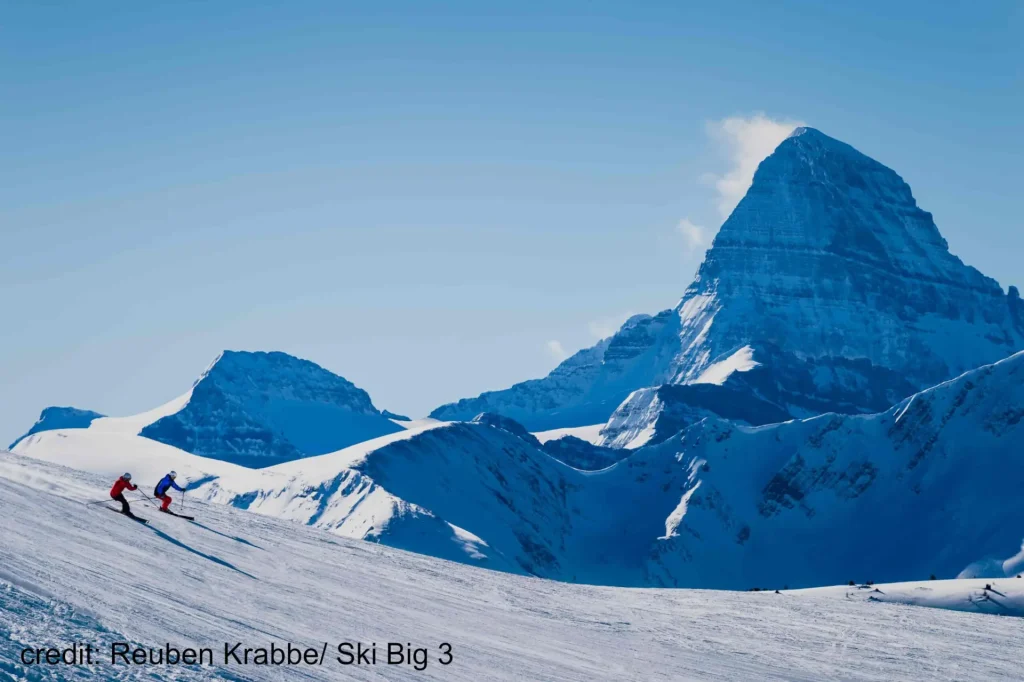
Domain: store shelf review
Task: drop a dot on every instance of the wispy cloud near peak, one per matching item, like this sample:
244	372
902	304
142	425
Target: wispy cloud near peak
746	142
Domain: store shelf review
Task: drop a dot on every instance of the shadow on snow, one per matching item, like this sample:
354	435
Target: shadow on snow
208	557
229	537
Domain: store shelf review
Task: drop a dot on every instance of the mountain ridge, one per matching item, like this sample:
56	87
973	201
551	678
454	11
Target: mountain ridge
927	486
827	259
256	408
251	578
57	417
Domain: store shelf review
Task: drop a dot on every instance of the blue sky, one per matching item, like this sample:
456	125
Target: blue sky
434	199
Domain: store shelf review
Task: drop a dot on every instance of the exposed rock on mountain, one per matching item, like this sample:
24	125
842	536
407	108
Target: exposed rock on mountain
841	288
250	408
583	455
652	415
506	424
930	486
259	409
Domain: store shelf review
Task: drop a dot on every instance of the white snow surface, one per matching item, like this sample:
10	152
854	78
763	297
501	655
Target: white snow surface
331	463
73	572
929	486
133	424
591	434
1004	597
414	423
110	454
255	409
829	271
633	424
717	373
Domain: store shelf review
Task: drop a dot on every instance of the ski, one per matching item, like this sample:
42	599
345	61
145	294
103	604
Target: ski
133	517
180	516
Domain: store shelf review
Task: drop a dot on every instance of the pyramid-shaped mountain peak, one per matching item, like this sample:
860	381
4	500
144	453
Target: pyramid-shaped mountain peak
827	289
275	370
811	135
811	142
815	193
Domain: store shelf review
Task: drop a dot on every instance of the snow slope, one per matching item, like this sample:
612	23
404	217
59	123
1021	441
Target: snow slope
254	409
326	493
652	415
591	433
827	282
581	454
977	595
53	418
71	572
135	423
110	454
930	486
414	423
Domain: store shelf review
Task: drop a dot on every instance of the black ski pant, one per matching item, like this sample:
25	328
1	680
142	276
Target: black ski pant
125	509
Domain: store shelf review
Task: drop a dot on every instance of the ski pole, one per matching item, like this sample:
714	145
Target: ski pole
152	501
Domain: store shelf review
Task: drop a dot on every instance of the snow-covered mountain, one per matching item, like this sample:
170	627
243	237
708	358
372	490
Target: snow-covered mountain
581	454
652	415
53	418
250	408
927	487
826	291
827	278
257	409
930	486
232	576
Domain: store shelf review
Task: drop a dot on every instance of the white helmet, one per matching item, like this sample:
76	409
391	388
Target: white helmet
127	476
173	474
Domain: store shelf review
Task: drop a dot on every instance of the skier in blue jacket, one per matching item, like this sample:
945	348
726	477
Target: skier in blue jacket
160	492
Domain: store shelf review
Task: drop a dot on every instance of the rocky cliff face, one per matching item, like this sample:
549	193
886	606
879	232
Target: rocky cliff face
259	409
653	415
927	487
829	256
841	287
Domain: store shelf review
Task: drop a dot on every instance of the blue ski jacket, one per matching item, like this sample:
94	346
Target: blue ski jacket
165	483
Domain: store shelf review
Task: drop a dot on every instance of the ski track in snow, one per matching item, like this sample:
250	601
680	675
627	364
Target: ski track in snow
71	572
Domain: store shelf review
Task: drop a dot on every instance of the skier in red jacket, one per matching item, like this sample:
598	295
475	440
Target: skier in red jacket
117	492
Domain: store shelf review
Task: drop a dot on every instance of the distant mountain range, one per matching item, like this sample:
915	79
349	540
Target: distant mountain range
827	277
835	397
930	486
254	409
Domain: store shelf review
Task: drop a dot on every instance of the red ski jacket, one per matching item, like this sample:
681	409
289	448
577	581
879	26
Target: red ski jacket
119	486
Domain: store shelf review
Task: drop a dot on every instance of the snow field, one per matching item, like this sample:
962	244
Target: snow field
72	572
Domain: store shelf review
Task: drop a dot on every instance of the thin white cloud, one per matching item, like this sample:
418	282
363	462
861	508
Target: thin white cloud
746	142
556	350
695	236
604	327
